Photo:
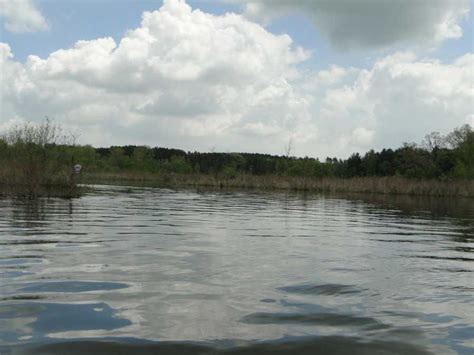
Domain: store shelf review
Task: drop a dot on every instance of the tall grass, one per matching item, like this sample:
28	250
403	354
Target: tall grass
378	185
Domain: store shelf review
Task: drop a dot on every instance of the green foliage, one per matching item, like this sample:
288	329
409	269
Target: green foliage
33	158
464	153
177	165
38	153
414	162
230	172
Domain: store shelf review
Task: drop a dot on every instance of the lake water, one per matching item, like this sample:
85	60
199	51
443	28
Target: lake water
147	269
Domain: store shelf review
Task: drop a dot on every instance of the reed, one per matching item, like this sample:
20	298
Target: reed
378	185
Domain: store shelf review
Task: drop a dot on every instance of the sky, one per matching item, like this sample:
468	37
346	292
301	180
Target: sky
334	77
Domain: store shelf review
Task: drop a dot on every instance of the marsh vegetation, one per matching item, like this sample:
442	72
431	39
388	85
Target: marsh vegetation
37	160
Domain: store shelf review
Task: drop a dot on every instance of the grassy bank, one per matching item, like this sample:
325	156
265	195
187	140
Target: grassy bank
39	160
379	185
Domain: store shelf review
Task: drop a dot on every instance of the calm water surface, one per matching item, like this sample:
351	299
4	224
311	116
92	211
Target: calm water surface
143	270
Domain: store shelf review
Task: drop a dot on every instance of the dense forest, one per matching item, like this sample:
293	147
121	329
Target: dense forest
440	157
39	158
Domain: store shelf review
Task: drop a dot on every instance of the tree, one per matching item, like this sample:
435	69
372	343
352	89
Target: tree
458	136
434	141
289	147
354	166
370	162
117	159
464	152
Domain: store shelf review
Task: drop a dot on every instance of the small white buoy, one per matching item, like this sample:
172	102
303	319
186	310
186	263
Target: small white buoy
77	168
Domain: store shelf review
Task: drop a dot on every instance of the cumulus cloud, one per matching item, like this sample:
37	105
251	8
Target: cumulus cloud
192	80
22	16
399	99
372	23
183	75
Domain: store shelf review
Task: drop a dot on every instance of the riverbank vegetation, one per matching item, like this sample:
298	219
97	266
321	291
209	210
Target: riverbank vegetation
33	159
378	185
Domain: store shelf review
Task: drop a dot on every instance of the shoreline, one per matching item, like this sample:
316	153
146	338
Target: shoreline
25	192
392	185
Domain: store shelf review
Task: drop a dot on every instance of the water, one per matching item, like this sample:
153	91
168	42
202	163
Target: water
144	269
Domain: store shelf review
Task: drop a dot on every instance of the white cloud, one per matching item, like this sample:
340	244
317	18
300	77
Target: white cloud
22	16
372	23
362	136
401	98
182	76
193	80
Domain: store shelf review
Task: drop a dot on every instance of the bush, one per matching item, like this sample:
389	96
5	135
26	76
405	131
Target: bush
35	159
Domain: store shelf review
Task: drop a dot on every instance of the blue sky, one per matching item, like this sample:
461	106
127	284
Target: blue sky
312	26
72	20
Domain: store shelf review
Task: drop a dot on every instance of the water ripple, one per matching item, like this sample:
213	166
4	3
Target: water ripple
236	272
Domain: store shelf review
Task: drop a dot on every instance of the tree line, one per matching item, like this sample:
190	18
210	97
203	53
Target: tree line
437	157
